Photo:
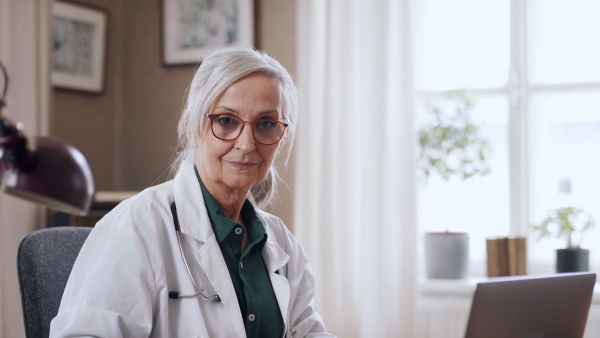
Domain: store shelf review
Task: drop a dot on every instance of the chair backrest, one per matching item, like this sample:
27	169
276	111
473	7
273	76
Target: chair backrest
44	262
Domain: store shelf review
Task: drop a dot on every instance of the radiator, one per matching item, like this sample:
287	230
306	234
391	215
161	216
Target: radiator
444	317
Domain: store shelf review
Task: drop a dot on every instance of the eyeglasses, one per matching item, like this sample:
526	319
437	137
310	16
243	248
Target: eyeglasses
227	127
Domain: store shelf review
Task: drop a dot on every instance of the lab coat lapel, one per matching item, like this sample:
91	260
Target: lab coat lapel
275	259
191	210
211	260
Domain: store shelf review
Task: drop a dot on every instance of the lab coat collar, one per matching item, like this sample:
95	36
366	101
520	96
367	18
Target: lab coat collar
191	209
194	220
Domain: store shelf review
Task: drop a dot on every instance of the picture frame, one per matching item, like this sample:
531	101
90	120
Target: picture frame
193	29
78	47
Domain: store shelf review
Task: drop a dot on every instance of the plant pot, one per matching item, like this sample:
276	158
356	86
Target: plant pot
572	260
446	254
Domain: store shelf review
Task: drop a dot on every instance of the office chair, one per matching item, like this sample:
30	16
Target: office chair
44	262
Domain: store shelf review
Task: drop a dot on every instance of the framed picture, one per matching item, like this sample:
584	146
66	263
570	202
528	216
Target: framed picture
78	47
194	28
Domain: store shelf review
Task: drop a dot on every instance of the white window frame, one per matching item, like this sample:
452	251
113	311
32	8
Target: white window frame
519	92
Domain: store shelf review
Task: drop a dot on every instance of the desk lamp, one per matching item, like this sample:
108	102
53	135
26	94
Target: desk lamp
45	171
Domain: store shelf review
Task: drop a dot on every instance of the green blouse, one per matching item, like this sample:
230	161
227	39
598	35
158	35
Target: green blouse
249	275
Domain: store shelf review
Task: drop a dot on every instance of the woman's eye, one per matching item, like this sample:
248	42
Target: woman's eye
265	124
226	120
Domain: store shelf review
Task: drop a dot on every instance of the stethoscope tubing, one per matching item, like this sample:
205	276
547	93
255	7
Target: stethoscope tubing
176	294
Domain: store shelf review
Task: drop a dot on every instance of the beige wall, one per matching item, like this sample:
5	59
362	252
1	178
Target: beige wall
87	120
128	132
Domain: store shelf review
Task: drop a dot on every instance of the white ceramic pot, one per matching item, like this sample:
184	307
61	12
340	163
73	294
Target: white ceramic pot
446	254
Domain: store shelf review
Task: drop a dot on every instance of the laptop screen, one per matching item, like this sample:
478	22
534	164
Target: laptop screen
531	306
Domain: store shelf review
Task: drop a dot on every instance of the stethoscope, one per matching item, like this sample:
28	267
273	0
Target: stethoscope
199	291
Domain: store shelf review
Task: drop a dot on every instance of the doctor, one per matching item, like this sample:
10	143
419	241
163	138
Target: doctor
196	256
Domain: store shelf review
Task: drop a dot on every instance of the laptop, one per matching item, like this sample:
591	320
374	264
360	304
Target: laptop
553	306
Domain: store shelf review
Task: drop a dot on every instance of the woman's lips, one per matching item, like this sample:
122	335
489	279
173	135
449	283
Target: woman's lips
242	165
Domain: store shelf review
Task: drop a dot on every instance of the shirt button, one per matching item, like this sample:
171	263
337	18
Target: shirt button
251	317
242	265
238	231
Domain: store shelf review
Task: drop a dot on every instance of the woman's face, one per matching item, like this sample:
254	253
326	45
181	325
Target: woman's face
236	166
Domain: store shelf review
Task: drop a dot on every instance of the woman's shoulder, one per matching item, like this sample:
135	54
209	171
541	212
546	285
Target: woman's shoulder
271	221
144	208
277	229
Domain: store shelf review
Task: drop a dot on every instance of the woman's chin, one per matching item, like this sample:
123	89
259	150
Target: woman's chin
241	185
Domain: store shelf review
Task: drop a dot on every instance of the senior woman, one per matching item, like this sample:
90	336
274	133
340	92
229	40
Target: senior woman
196	256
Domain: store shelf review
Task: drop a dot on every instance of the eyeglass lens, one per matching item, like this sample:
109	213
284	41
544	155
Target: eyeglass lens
266	131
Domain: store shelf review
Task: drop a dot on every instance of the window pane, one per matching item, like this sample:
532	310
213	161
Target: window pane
479	205
465	44
563	41
564	168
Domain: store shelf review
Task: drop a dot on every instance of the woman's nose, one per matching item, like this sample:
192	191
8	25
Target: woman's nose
246	140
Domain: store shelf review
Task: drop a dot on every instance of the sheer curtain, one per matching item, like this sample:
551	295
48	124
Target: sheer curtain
355	188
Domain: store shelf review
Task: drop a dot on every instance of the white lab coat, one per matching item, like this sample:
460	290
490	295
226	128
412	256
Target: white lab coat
120	283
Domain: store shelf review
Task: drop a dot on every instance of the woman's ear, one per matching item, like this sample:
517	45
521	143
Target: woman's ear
192	140
192	137
285	137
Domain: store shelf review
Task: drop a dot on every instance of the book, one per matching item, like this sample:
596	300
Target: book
493	268
506	256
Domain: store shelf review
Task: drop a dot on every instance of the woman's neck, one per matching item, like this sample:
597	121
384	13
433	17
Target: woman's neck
230	201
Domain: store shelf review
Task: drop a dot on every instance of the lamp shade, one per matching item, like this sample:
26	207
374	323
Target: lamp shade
56	175
48	171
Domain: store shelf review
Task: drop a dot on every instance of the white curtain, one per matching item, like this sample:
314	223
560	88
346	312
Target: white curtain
355	187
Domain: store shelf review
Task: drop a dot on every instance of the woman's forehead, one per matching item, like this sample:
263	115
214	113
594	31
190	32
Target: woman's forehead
256	93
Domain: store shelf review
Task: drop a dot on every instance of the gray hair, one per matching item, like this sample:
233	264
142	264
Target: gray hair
216	73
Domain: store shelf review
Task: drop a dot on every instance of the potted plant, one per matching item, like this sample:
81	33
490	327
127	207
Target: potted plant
450	146
569	224
450	141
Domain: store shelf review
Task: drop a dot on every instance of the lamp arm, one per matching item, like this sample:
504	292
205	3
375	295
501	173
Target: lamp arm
13	143
5	88
15	150
5	179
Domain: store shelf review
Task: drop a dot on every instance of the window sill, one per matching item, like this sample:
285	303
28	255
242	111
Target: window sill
465	287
